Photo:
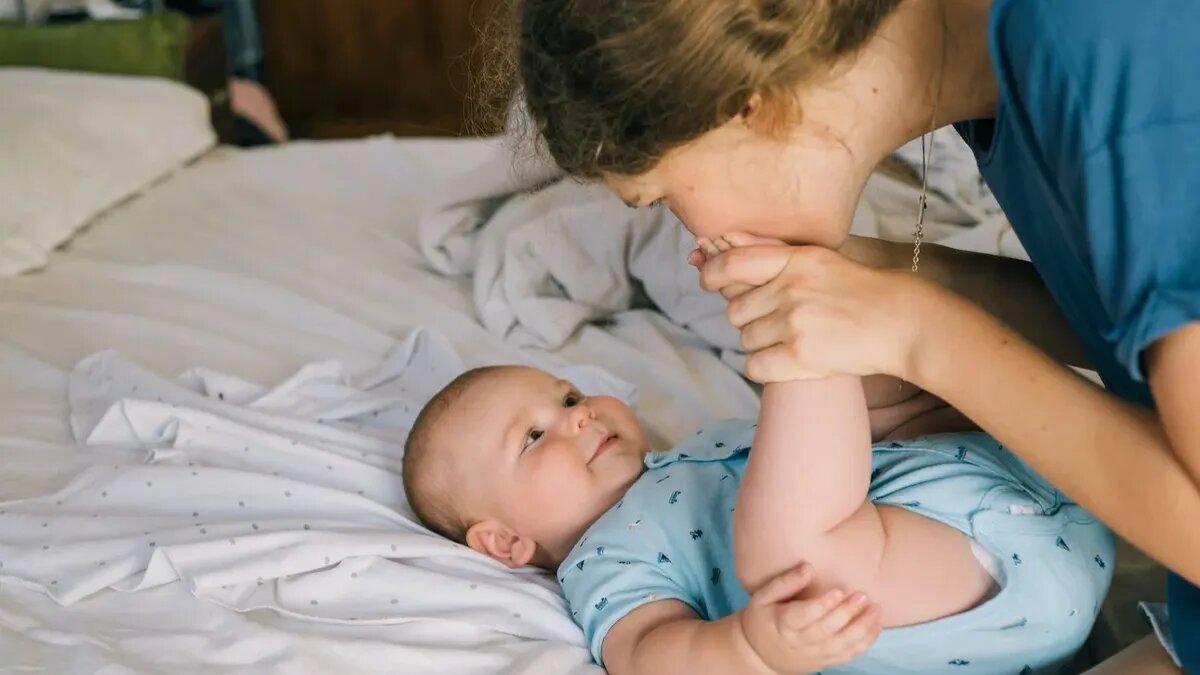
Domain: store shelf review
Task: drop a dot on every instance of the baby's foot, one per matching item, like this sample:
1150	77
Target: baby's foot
703	252
707	249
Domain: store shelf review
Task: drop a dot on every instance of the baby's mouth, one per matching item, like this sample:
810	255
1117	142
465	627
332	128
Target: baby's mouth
607	444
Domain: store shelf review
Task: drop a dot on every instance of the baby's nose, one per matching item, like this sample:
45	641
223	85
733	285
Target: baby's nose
579	416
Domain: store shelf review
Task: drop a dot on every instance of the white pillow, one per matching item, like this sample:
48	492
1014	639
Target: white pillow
74	144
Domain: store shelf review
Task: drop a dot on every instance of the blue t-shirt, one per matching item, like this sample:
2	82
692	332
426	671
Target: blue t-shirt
1094	154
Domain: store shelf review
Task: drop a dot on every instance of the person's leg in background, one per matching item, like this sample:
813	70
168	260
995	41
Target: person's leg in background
240	21
258	120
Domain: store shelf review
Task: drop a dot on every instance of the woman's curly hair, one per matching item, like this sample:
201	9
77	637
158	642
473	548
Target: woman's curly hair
612	85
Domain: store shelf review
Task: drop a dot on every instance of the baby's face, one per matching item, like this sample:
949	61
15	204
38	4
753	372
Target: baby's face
543	458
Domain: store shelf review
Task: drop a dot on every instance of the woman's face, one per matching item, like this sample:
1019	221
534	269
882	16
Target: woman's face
801	188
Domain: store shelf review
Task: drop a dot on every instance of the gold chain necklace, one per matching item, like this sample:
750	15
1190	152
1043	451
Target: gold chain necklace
926	155
919	231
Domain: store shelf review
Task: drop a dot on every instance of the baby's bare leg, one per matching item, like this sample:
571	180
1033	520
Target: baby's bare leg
809	469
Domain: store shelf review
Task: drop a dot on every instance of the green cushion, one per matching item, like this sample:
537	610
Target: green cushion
152	46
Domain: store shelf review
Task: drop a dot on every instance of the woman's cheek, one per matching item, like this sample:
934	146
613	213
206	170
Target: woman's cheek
682	213
706	218
776	228
797	227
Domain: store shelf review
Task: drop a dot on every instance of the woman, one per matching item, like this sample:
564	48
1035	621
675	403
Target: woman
767	116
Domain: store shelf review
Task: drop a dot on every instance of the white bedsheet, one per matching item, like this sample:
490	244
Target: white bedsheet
288	280
286	498
548	254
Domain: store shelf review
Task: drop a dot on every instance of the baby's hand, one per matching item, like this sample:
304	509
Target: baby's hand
807	636
707	249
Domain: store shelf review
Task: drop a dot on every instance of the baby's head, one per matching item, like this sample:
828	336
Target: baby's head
517	463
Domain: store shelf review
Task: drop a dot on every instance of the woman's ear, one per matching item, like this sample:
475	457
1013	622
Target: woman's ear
498	542
752	107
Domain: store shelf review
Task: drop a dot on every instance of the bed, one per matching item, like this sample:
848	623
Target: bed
206	374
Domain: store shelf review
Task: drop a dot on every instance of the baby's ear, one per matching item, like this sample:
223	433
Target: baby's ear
500	543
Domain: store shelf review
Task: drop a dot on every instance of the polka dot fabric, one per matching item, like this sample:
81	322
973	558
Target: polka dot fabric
287	498
671	537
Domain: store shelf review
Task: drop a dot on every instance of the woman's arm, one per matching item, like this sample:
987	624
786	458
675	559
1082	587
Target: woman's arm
1109	455
1174	366
1009	289
815	312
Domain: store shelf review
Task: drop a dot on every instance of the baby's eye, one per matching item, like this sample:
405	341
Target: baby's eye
654	203
532	437
572	399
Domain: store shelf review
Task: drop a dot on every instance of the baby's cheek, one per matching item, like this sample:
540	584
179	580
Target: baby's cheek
559	473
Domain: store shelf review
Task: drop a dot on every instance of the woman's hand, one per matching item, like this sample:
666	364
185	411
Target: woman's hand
708	249
814	313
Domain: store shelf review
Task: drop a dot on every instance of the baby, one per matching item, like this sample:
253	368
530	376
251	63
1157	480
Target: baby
686	560
975	562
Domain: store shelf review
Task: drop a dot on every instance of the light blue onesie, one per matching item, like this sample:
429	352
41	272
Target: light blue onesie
672	537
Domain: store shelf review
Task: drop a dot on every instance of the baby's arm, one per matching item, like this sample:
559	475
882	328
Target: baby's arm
667	637
774	633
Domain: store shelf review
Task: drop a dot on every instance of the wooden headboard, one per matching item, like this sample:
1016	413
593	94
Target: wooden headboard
344	68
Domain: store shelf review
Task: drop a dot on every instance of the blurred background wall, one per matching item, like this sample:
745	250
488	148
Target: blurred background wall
341	68
331	68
